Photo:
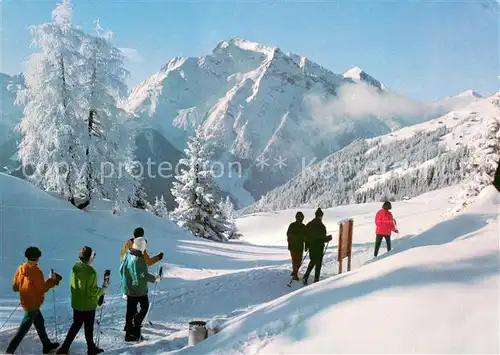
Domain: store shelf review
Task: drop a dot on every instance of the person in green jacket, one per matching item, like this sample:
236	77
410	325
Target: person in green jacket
135	277
84	298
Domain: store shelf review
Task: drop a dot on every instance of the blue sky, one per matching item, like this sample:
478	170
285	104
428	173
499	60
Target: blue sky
422	49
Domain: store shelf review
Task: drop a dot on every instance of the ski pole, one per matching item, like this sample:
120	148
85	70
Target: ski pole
54	301
324	252
160	273
304	258
105	283
10	316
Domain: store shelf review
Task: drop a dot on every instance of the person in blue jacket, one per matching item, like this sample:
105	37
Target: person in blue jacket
135	278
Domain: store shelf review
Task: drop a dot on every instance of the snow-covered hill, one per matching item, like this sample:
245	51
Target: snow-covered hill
261	105
436	292
240	286
404	163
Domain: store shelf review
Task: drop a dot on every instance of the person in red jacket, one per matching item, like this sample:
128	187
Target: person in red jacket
385	226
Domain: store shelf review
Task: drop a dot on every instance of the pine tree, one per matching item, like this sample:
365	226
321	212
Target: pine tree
160	207
196	208
110	143
227	209
52	125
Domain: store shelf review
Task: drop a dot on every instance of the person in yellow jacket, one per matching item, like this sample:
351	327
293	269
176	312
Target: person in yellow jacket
139	233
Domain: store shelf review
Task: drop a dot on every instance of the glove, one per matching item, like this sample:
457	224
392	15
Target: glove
100	301
56	277
160	256
396	231
328	238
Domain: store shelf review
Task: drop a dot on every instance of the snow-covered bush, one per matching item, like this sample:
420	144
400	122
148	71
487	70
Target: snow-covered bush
160	207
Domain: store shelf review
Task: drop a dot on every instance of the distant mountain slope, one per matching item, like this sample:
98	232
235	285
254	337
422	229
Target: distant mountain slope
268	111
258	102
402	164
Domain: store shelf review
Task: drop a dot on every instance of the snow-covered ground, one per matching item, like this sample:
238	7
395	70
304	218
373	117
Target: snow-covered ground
437	291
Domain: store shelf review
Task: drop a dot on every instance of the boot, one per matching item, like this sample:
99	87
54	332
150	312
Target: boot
94	351
50	347
130	337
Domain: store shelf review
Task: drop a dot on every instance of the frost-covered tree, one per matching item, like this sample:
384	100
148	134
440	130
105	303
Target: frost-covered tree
51	127
484	161
160	207
193	189
227	209
110	145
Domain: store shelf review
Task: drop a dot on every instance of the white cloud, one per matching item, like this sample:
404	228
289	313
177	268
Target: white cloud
360	101
131	54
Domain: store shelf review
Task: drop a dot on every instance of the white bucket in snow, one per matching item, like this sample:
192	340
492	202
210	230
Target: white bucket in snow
197	332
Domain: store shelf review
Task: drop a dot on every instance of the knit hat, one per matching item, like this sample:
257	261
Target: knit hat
32	253
139	244
139	232
387	205
85	254
299	215
318	213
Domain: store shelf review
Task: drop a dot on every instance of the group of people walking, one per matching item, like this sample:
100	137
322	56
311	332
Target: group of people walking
313	236
86	295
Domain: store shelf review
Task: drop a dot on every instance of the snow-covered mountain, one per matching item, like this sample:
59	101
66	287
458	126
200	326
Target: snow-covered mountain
262	106
402	164
358	75
268	111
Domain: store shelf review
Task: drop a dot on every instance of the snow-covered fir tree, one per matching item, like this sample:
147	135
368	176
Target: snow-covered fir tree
193	190
73	130
227	208
160	207
110	136
51	127
483	164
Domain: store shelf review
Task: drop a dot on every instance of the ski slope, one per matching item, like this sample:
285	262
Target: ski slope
436	271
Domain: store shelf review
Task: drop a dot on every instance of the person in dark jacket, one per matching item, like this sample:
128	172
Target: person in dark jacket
135	277
315	241
84	297
32	287
496	179
296	238
385	225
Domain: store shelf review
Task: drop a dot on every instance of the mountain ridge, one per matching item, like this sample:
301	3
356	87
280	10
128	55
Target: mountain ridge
258	101
255	100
